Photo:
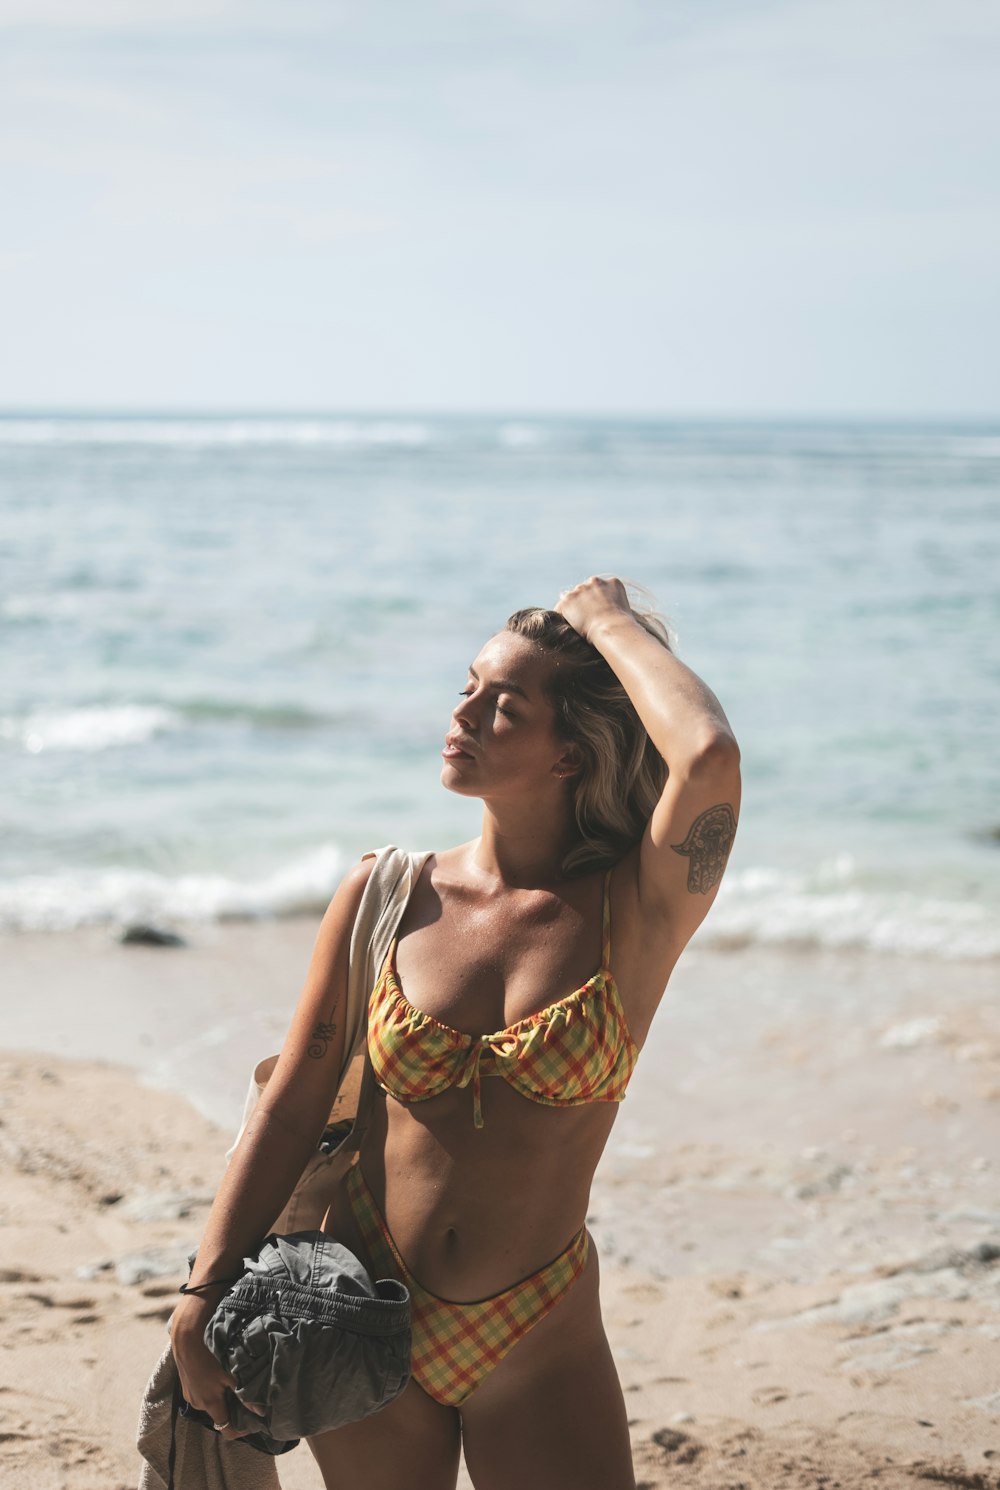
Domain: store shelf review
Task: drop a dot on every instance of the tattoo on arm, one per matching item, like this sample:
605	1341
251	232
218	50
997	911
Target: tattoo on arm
707	847
320	1039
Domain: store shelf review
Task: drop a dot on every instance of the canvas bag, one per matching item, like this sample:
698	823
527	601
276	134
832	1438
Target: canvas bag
385	897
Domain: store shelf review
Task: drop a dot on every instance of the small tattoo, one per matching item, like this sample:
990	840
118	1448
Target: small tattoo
320	1039
707	846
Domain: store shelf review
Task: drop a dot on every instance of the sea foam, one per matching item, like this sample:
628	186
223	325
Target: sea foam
757	907
95	727
205	433
768	907
67	899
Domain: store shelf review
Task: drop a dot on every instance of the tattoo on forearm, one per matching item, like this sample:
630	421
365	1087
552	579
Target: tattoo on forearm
707	847
320	1039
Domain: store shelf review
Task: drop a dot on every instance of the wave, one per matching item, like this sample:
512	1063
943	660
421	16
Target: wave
118	896
519	436
201	433
92	727
757	907
270	716
767	907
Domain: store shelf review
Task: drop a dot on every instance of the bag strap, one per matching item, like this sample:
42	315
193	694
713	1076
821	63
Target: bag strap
393	877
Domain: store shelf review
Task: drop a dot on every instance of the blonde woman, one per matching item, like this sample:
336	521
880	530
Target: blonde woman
503	1031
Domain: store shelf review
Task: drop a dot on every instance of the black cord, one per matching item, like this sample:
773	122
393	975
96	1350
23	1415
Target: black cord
213	1283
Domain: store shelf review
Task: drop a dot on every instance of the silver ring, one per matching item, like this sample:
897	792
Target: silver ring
220	1426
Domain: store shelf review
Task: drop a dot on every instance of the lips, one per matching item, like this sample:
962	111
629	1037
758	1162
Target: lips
454	746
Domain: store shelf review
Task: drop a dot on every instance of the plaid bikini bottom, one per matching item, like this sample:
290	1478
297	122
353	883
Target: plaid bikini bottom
455	1346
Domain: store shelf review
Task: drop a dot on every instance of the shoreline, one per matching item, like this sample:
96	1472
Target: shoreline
797	1213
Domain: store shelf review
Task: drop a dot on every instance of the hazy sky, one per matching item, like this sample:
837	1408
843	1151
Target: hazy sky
686	206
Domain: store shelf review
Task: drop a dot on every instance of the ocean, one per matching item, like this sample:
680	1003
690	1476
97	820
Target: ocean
231	645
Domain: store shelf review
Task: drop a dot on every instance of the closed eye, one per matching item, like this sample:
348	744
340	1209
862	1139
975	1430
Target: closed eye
467	692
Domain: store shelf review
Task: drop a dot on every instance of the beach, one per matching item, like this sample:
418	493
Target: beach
797	1215
233	646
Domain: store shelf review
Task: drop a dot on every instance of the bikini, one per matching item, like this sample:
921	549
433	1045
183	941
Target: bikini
574	1051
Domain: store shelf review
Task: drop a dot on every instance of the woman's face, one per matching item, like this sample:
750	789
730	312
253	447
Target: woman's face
502	740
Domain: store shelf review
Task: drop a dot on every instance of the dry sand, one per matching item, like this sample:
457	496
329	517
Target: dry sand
799	1220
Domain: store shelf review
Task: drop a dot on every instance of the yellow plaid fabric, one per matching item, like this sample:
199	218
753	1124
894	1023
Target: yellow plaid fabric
573	1051
456	1345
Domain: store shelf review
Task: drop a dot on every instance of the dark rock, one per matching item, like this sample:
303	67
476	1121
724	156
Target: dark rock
141	935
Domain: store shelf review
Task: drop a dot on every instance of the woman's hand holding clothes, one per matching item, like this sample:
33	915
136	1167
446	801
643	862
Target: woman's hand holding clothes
204	1380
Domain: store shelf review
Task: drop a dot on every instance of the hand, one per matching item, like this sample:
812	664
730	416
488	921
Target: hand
204	1380
594	600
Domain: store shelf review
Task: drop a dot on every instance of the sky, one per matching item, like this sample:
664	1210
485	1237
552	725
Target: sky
690	207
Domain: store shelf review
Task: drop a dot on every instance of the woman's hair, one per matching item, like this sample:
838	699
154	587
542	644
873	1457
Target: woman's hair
622	773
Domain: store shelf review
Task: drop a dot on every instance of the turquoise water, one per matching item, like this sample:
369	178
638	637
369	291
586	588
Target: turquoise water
231	645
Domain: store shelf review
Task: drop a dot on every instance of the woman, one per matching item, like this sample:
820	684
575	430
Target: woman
610	784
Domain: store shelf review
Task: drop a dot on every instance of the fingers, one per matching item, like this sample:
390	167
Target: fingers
225	1425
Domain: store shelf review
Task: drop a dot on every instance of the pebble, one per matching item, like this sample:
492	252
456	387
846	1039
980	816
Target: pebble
923	1031
161	1205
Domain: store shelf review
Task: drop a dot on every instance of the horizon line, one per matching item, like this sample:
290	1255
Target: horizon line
396	411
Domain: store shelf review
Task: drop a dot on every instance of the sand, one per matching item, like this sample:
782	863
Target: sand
798	1216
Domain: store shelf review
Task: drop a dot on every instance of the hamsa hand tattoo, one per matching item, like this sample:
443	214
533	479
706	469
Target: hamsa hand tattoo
707	846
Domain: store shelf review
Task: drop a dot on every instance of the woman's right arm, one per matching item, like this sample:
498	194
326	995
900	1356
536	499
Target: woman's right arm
280	1136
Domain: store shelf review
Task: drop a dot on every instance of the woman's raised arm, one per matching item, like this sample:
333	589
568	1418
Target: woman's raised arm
686	844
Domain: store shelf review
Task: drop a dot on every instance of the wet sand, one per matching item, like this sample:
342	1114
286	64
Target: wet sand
798	1214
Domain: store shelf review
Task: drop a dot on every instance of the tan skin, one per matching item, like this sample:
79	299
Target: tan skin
494	932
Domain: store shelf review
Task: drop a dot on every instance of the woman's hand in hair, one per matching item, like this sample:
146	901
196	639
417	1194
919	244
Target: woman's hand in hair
595	600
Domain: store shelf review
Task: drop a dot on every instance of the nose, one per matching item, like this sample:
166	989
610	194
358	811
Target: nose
464	713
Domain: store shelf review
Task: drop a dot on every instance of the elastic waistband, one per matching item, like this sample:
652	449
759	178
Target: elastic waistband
387	1314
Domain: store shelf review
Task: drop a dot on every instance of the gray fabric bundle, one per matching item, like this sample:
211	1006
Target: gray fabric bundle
306	1332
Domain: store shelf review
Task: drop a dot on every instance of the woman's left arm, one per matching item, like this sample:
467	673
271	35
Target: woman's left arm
686	844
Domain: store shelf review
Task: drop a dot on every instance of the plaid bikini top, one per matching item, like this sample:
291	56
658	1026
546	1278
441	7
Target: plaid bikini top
574	1051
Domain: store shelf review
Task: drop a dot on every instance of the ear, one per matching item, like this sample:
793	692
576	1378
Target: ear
570	763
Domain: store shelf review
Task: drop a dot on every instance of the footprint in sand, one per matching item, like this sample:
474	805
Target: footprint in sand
953	1474
647	1291
48	1302
769	1396
163	1311
675	1447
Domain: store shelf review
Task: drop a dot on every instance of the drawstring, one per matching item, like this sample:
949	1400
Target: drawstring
495	1044
472	1073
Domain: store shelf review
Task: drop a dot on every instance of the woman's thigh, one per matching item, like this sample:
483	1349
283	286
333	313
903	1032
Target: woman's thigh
415	1441
552	1413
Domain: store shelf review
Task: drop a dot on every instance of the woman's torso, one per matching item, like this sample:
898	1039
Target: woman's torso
474	1208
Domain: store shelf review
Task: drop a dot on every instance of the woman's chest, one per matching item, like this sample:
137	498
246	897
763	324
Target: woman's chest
482	969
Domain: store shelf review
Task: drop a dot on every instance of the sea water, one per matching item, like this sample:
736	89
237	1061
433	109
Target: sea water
231	645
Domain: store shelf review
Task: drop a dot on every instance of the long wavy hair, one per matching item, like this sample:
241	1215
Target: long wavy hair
622	772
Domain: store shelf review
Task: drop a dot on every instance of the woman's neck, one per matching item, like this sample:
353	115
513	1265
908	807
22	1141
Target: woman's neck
522	848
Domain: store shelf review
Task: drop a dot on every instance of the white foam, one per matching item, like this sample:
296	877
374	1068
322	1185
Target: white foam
52	607
773	908
202	433
71	898
94	727
517	436
760	906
